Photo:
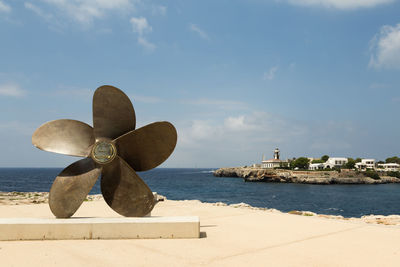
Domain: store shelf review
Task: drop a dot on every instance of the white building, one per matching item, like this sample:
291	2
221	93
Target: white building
365	164
316	166
335	162
275	162
390	167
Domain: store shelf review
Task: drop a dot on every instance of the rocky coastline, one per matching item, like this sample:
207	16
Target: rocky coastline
24	198
250	174
32	198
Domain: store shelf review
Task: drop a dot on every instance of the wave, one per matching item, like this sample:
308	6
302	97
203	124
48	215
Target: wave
209	171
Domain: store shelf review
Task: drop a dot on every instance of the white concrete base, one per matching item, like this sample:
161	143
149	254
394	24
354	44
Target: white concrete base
99	228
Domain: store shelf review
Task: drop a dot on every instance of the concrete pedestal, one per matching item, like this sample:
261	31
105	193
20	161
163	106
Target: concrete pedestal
99	228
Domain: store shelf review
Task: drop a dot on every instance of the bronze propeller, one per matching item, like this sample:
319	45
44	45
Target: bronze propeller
112	148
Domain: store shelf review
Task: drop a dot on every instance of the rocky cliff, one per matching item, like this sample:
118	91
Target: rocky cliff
305	177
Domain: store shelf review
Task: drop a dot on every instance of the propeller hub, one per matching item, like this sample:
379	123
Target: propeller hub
103	152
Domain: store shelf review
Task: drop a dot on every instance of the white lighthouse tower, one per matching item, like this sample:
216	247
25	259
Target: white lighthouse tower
276	153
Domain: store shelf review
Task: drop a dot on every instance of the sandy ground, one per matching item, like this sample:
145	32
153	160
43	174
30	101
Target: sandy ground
231	236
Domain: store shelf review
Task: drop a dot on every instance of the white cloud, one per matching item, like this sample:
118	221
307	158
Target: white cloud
241	129
199	31
159	10
86	11
140	25
233	140
146	44
11	89
341	4
385	48
4	7
242	139
201	130
38	11
270	74
236	123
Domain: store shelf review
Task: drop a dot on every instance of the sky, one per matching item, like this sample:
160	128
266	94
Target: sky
237	78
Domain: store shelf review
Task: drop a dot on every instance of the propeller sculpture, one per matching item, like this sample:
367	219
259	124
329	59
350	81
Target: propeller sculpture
112	148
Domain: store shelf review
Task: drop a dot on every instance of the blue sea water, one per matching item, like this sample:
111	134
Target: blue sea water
180	184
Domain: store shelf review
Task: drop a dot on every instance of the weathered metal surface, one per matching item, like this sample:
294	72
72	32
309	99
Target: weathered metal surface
68	137
71	187
147	147
113	113
124	191
113	148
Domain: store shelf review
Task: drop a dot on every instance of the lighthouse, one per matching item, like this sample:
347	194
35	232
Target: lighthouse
276	153
275	162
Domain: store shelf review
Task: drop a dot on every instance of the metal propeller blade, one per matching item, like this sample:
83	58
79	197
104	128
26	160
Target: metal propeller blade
113	113
71	187
112	148
69	137
147	147
124	191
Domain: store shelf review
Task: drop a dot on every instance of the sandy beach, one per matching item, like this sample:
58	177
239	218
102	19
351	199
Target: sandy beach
235	235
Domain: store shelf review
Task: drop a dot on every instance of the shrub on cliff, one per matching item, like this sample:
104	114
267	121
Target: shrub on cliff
394	174
338	169
372	174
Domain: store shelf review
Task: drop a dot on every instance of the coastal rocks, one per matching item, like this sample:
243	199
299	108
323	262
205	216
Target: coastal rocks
305	177
220	204
243	205
303	213
370	219
381	219
240	205
17	198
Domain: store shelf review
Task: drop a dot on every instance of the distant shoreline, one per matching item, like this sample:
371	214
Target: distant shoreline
32	198
250	174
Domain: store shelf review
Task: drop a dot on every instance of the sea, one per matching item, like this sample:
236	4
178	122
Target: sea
200	184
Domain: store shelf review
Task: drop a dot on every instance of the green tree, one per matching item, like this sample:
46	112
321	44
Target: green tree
301	163
317	161
325	158
358	160
393	160
350	163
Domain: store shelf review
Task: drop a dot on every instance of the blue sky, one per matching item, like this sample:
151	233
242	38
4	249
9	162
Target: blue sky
237	78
